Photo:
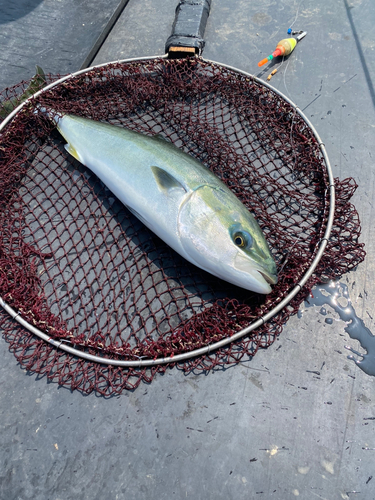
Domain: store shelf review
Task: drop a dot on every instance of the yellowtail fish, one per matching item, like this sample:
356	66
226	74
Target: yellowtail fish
176	197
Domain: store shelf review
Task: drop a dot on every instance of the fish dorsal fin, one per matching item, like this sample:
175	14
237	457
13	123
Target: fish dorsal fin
166	182
72	151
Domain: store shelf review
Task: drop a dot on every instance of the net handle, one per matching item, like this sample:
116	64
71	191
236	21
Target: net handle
222	343
188	29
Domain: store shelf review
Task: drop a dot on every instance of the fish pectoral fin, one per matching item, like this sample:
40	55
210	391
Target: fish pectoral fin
166	182
72	151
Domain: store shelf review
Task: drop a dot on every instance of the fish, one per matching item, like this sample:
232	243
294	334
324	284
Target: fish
176	197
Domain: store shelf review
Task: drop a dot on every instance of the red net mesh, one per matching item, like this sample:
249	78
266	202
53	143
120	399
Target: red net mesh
81	268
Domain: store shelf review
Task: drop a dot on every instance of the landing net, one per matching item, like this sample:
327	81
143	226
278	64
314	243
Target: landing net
78	266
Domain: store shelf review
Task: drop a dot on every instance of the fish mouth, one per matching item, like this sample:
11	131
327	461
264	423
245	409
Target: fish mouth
260	277
270	278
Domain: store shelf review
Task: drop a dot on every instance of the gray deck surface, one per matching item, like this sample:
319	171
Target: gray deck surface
269	428
57	35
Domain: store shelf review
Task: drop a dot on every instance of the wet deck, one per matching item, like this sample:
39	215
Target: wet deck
296	421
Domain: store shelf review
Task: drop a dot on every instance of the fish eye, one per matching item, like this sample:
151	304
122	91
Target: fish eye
239	241
242	239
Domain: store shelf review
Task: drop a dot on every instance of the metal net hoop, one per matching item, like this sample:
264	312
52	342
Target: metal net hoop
82	273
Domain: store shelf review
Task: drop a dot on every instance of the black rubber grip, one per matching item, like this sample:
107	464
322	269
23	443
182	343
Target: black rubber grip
189	25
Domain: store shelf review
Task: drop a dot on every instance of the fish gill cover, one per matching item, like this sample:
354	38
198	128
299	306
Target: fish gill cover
76	264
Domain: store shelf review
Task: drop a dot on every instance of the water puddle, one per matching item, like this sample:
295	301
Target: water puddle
335	295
